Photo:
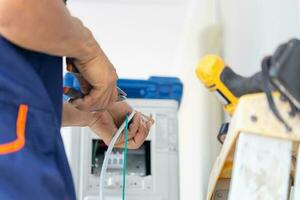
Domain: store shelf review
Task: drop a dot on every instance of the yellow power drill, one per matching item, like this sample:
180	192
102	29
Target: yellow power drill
225	83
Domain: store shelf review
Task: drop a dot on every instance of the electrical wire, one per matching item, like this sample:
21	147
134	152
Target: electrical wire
108	154
125	158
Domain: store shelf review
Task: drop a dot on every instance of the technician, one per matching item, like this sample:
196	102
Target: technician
34	35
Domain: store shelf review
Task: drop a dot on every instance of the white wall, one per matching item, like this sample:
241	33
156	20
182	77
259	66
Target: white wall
254	28
163	37
200	114
139	37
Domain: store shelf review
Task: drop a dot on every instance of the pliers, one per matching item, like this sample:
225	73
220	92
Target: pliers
76	94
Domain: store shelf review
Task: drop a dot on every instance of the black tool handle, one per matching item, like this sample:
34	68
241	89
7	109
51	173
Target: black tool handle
240	85
71	67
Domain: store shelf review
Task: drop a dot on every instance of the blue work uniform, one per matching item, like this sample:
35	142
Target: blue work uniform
33	163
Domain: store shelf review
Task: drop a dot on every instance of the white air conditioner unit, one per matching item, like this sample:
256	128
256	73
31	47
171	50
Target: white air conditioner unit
152	170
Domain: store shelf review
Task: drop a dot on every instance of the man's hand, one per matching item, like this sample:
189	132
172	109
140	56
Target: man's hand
106	124
98	81
98	76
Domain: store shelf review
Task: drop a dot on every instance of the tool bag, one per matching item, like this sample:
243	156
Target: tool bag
281	72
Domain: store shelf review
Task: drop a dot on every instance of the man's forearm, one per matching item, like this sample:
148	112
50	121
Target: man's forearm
45	26
74	117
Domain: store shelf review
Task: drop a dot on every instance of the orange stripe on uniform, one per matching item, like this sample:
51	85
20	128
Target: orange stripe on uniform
19	143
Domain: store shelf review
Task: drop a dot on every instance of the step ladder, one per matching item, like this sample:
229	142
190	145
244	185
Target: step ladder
258	160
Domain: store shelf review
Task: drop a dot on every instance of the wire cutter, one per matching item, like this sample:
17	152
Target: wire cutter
75	94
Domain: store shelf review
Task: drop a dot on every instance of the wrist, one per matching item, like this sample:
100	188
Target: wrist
95	117
87	47
94	58
90	50
74	117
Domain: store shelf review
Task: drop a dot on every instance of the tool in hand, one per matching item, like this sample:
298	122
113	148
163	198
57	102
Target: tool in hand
75	94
